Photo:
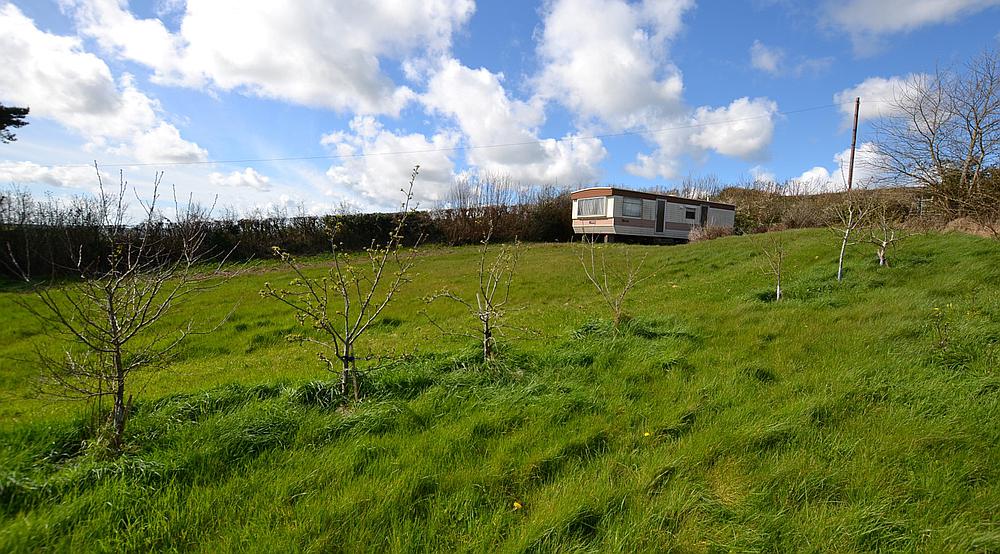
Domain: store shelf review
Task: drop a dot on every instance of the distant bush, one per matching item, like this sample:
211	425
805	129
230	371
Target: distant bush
709	232
766	206
505	208
46	234
968	226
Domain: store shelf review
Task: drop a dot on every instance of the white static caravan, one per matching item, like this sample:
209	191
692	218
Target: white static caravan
613	211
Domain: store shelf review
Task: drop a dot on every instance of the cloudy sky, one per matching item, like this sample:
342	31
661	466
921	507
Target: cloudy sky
323	102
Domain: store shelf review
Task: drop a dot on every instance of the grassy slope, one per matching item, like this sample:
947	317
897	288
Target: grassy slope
719	421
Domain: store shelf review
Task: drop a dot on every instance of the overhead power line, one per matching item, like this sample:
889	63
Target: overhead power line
640	132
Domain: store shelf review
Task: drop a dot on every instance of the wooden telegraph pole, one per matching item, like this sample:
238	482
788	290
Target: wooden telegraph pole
854	142
853	214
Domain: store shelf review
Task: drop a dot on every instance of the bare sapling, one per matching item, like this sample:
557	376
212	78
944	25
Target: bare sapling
773	249
850	215
614	279
884	232
341	305
490	308
111	316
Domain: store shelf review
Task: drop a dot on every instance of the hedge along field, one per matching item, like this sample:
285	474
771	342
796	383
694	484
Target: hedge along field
717	419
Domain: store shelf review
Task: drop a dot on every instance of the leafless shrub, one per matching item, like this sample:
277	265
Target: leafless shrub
759	204
699	187
478	202
481	201
965	225
708	232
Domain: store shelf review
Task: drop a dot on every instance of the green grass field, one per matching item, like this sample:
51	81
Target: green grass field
717	420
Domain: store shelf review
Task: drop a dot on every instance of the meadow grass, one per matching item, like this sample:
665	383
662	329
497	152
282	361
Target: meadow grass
716	420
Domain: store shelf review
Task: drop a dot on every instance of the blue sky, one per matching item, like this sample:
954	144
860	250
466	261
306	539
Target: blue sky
178	86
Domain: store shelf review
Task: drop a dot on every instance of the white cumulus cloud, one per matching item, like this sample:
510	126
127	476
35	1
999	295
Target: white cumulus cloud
23	173
867	21
117	30
822	179
248	178
742	129
612	67
613	72
58	80
766	58
761	174
818	179
774	60
879	96
321	53
368	177
487	115
889	16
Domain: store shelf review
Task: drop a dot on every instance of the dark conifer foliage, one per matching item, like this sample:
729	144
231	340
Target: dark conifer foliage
11	117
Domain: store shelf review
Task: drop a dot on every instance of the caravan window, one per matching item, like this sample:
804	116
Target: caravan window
590	207
690	213
632	207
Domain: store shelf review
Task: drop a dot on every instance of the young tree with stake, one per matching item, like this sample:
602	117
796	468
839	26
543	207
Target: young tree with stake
342	304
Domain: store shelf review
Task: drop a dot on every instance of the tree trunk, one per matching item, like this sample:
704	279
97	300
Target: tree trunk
118	412
345	372
777	289
349	374
883	261
354	382
843	250
487	341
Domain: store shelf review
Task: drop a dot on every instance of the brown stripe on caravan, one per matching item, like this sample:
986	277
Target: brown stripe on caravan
678	226
628	222
633	222
597	229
